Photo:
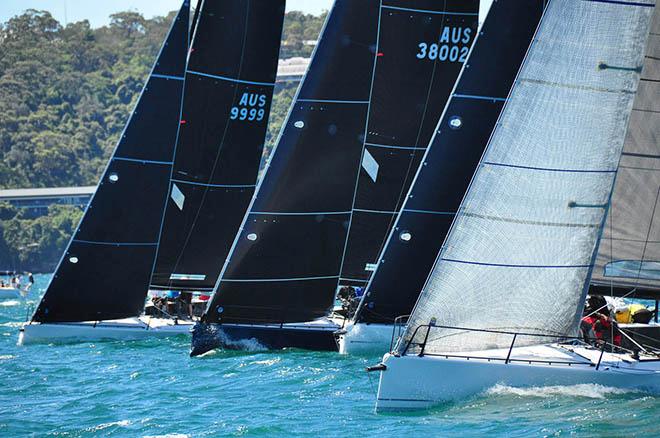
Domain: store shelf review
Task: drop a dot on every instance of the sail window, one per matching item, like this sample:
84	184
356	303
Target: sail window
252	237
405	236
73	259
455	122
178	197
633	269
113	177
299	124
370	164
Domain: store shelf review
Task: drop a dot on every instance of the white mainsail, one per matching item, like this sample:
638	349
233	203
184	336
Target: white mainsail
521	248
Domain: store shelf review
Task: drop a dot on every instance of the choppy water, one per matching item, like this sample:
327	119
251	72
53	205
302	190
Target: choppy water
153	388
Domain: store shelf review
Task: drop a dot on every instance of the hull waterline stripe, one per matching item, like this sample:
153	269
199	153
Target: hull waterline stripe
214	185
287	213
268	280
549	169
362	210
442	213
362	102
224	78
425	11
504	265
94	242
412	148
472	96
176	78
137	160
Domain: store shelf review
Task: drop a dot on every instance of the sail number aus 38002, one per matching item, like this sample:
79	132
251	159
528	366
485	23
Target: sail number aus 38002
451	46
250	108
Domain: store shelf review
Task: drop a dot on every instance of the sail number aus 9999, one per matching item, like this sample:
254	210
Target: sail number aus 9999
451	46
250	108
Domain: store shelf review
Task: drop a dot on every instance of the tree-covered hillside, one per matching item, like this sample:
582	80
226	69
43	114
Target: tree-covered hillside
65	95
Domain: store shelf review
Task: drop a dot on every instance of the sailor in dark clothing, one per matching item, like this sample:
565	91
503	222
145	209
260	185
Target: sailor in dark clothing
185	300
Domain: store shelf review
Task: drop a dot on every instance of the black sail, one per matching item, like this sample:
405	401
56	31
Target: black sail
628	261
286	262
105	270
229	85
410	91
451	159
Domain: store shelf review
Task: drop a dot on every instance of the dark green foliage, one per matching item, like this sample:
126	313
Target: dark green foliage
65	96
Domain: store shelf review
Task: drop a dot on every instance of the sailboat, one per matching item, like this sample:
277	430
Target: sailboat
439	186
192	105
503	300
361	120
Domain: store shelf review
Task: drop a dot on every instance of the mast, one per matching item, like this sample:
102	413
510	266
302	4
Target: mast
521	248
344	123
628	262
450	161
229	86
104	272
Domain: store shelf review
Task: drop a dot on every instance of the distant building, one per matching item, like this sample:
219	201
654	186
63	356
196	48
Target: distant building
292	69
38	200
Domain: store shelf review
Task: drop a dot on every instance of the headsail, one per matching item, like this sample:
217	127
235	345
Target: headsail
351	118
520	251
450	161
104	273
628	261
229	87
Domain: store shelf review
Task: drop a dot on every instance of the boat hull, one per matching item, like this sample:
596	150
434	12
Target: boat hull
413	382
308	336
365	339
125	329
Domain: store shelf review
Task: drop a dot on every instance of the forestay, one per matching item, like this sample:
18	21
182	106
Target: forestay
521	249
450	161
105	270
229	86
628	260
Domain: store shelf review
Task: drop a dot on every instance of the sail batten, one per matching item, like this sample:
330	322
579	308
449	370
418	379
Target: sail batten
565	111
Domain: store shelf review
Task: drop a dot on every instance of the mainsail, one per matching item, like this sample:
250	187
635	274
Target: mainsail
450	161
628	261
105	270
352	118
522	246
228	88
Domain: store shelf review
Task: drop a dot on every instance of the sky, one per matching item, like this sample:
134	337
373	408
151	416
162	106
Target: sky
98	11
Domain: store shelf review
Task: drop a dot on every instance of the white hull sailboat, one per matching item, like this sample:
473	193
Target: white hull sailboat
120	329
456	376
513	273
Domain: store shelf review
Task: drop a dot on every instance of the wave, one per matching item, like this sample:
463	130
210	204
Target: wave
585	390
10	303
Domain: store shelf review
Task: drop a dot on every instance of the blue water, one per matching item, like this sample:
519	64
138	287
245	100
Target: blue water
153	388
